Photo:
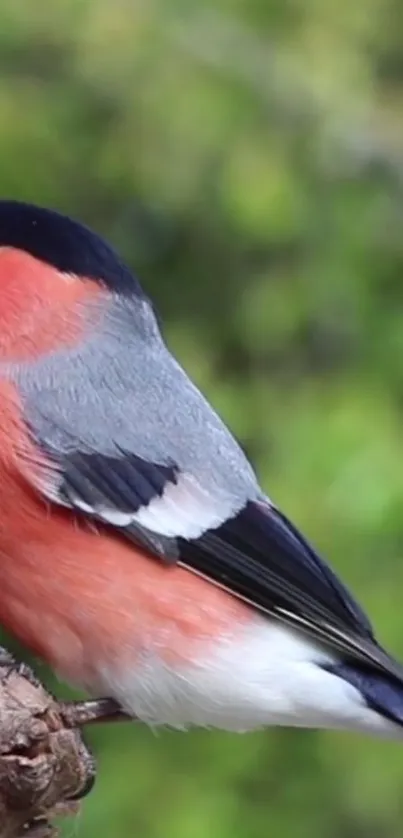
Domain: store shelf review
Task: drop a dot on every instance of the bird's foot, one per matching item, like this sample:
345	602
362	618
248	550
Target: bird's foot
91	711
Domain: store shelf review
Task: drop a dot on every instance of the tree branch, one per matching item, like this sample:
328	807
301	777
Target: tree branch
44	765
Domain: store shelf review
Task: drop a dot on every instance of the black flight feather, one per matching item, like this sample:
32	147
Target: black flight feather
261	557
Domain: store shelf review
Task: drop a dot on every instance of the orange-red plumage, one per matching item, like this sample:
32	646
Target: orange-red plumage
83	598
41	308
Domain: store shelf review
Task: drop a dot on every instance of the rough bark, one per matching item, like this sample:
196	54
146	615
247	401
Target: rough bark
44	764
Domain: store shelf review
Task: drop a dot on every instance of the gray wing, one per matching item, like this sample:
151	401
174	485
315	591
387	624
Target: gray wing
128	437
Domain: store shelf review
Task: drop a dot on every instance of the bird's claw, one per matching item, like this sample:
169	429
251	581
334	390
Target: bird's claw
91	711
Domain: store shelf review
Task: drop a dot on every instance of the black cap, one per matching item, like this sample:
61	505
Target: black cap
66	244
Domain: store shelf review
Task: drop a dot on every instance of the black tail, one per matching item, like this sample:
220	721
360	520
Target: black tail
381	694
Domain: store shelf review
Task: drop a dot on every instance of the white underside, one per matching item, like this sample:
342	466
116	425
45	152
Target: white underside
268	676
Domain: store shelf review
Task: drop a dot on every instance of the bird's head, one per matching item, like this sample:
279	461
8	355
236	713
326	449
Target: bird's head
49	264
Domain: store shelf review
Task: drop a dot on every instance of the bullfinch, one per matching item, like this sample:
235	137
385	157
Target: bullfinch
139	555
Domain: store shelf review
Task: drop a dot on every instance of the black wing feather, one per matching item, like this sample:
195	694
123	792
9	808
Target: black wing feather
125	481
119	484
261	557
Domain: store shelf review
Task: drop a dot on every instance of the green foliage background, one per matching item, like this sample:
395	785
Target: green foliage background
246	157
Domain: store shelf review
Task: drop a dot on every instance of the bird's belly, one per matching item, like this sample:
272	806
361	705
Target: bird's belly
169	646
266	675
262	675
238	682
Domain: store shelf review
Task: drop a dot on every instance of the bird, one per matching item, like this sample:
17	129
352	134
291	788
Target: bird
140	557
